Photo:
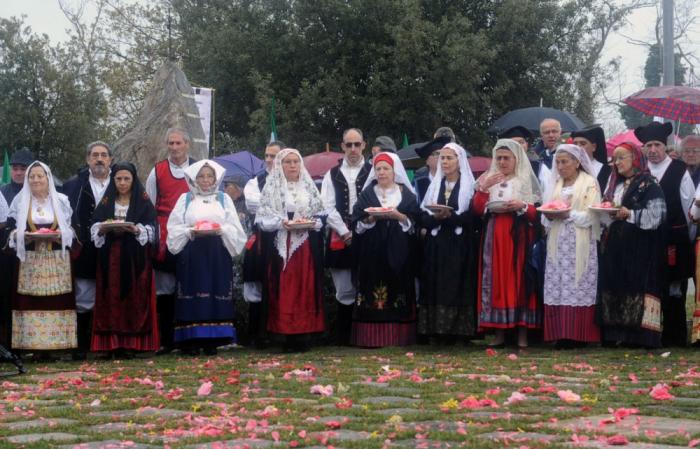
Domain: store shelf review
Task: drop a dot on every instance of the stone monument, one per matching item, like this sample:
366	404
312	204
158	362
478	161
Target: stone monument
169	104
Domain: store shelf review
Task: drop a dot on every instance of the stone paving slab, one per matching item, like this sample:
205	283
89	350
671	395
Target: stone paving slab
434	426
63	375
341	435
232	444
107	444
428	444
146	411
116	427
631	425
397	411
332	406
34	437
389	400
371	384
37	423
519	436
631	445
30	402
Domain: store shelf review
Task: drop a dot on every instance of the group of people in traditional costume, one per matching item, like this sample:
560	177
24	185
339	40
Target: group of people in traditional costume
115	267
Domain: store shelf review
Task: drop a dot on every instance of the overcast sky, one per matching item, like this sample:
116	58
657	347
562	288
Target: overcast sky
45	16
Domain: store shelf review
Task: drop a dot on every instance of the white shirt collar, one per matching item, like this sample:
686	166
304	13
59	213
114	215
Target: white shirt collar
183	166
98	186
658	170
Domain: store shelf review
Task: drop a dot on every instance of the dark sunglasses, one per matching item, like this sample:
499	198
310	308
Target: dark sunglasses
352	144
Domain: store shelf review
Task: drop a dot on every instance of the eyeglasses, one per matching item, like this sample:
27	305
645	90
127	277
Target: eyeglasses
352	144
620	158
691	151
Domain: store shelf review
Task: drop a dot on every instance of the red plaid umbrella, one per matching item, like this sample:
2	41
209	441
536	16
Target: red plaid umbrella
671	102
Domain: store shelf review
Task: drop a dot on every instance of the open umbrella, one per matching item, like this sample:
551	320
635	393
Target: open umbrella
479	164
318	164
241	163
531	118
617	139
680	103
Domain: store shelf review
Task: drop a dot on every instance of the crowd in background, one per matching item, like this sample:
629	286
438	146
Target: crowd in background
553	243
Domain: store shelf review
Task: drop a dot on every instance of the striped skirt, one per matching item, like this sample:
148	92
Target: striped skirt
570	323
379	335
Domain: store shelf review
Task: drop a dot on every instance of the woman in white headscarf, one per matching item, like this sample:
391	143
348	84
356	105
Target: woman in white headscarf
385	245
506	196
571	274
290	210
205	233
447	306
43	304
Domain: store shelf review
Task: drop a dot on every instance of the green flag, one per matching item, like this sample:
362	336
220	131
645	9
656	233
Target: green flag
6	170
405	141
273	125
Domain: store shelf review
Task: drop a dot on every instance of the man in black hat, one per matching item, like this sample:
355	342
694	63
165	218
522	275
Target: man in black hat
339	191
592	140
18	165
523	136
383	144
679	192
85	191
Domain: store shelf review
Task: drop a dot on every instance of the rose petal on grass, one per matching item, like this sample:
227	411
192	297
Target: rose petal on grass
660	392
322	390
617	440
205	389
568	396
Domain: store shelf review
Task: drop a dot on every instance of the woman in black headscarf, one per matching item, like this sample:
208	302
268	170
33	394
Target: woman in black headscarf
123	231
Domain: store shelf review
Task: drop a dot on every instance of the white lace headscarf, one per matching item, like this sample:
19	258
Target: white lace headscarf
526	185
275	197
19	210
193	170
585	193
466	186
400	175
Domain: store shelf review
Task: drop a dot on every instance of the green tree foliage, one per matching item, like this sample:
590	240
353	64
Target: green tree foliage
45	103
389	66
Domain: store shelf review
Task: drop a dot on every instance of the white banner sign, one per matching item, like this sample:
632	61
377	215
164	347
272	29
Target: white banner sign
203	98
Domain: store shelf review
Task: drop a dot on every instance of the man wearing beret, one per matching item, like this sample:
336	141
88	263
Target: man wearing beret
383	144
679	191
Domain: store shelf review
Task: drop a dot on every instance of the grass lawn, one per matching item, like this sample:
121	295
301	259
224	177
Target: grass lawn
418	397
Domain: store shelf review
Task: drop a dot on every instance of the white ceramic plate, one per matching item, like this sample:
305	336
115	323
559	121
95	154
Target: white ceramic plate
496	206
438	207
43	235
606	210
115	225
379	211
301	224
